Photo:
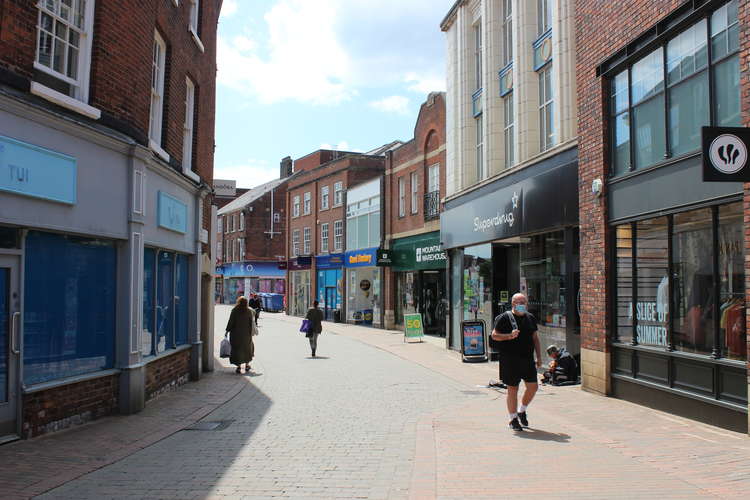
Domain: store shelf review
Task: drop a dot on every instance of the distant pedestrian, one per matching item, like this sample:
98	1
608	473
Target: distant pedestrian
518	340
315	316
241	328
256	304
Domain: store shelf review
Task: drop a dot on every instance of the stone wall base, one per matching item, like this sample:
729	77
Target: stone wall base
595	366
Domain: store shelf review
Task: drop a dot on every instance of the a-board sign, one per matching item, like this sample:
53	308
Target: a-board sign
726	154
413	328
473	346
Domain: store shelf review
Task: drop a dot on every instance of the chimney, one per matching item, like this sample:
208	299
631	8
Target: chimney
285	168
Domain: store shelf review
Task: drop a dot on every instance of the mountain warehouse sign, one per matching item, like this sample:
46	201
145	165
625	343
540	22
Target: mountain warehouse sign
418	253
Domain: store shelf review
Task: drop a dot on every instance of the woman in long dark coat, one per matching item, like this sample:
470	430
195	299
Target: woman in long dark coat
241	326
315	316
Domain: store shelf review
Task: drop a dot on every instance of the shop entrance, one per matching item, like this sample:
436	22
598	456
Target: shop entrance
432	303
10	323
330	303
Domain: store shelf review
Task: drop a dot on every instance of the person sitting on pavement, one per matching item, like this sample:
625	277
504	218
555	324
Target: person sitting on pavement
563	367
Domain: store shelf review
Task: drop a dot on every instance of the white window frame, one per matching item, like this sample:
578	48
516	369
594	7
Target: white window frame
79	99
507	32
234	221
338	194
295	206
338	235
187	135
156	112
242	248
509	130
220	249
478	55
546	105
306	241
479	125
433	178
295	242
324	197
195	10
414	189
220	224
241	216
401	197
544	16
307	203
324	237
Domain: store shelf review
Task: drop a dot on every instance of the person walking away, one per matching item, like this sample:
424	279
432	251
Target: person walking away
315	316
256	304
518	340
241	327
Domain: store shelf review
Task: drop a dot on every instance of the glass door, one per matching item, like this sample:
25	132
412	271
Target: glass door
10	322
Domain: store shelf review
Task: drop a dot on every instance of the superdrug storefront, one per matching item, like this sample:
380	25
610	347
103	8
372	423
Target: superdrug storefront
519	233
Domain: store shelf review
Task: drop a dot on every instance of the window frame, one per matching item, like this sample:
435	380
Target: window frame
324	197
295	242
307	203
338	235
158	75
544	16
479	146
546	107
80	84
509	130
507	27
188	128
611	72
306	246
401	197
414	182
324	237
477	31
241	217
338	194
295	206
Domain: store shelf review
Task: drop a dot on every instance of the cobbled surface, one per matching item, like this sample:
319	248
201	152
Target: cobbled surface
342	425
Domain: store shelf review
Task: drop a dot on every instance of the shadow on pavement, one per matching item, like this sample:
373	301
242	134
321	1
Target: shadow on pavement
318	357
540	435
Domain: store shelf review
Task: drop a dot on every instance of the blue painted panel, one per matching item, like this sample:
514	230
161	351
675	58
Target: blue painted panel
172	214
33	171
251	269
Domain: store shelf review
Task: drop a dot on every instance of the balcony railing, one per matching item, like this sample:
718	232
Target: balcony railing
432	205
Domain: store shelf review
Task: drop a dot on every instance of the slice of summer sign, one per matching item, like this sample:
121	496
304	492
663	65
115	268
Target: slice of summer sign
413	328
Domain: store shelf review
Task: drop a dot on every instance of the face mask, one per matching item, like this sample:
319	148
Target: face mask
521	308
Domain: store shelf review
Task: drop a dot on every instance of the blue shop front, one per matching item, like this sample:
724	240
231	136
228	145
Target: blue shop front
242	278
330	284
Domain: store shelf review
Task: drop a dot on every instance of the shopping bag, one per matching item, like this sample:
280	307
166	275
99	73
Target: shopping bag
305	328
225	349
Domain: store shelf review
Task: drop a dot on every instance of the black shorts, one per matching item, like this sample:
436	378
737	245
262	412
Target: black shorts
513	370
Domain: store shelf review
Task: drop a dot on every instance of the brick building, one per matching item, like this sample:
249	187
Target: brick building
510	219
413	189
107	132
251	242
317	220
663	254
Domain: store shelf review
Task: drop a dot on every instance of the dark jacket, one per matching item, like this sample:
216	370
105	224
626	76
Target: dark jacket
240	327
315	316
567	368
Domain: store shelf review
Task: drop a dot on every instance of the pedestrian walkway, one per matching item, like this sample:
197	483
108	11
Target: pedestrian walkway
374	417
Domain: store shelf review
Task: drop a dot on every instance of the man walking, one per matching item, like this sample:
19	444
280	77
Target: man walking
518	340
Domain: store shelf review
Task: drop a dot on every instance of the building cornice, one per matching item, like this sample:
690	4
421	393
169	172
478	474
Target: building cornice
450	17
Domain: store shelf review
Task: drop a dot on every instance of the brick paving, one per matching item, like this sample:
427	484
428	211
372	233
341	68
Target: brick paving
376	418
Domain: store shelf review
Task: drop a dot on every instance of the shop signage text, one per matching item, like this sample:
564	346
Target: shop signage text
384	258
652	319
488	218
332	261
419	252
361	258
250	269
507	218
225	187
413	328
33	171
172	213
472	339
725	154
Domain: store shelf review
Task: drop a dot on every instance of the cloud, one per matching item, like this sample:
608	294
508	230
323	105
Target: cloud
328	52
228	8
393	104
248	175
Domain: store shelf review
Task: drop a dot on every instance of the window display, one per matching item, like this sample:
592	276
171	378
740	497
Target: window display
732	327
477	281
624	289
652	306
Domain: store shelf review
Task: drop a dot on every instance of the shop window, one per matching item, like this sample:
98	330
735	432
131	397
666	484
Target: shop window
624	289
543	278
165	301
477	279
181	299
149	301
694	282
652	257
641	133
732	326
69	306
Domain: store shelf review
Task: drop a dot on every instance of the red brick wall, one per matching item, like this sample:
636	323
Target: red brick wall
602	28
62	407
167	373
121	68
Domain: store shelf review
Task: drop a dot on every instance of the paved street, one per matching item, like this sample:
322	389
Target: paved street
376	418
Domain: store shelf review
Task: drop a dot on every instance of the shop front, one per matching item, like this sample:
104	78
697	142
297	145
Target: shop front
299	296
330	284
419	266
364	279
243	278
517	234
99	273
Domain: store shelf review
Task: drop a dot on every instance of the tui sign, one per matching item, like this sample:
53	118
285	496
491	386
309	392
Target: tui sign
725	154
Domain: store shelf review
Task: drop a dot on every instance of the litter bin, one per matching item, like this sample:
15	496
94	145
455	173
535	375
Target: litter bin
337	315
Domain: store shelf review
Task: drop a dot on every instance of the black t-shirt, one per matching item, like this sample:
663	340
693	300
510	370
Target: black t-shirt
521	346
